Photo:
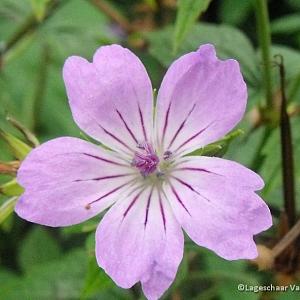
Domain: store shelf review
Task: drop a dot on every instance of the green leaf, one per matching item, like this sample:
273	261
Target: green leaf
220	147
235	12
96	280
294	3
7	208
230	42
87	226
18	147
293	289
39	8
59	279
187	13
287	24
37	248
11	188
97	283
227	275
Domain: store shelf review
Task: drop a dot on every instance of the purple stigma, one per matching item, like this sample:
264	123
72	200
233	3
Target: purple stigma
145	160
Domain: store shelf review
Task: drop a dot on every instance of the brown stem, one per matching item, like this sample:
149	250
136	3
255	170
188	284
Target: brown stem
286	152
113	14
287	240
9	168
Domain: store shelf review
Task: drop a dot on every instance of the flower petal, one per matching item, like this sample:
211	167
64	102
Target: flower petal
111	98
140	240
216	208
200	99
231	171
61	177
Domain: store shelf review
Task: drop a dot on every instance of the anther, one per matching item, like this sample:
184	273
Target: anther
167	155
145	160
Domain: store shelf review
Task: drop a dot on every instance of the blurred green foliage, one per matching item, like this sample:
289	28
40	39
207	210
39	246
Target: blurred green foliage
35	39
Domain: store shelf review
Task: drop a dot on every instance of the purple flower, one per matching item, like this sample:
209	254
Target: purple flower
155	189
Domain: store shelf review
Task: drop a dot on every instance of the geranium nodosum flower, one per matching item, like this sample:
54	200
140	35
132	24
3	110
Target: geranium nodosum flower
155	189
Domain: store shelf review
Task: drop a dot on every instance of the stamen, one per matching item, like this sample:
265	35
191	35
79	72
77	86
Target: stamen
167	155
145	160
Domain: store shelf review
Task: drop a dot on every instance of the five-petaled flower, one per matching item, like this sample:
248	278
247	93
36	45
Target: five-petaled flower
155	189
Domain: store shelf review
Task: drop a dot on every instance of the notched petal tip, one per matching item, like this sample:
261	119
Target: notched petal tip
207	50
72	66
109	49
110	97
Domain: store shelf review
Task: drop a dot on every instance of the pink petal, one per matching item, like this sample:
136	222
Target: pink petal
62	176
111	98
231	171
218	209
140	240
200	99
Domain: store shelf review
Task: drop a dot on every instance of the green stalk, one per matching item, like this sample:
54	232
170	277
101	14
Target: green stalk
264	36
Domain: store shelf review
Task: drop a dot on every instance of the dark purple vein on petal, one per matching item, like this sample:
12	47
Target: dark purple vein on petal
181	127
166	123
88	206
104	177
105	160
184	183
147	207
142	123
127	127
192	137
196	170
116	139
179	199
161	207
134	200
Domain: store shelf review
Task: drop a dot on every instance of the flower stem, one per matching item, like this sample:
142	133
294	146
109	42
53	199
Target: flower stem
286	152
264	36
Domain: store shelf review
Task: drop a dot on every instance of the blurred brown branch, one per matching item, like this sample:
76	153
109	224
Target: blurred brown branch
113	14
9	168
287	240
30	24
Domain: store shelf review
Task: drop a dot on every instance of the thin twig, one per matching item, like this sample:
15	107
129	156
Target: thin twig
113	14
9	168
287	240
286	152
29	136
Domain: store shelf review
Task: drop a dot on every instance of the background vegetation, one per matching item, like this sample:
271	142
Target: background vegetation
36	36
